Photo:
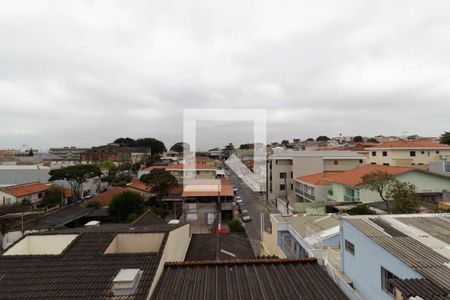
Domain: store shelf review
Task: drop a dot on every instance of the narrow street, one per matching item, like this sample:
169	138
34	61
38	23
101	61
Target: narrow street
256	205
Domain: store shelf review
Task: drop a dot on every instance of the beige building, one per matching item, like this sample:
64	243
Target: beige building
408	153
284	166
185	171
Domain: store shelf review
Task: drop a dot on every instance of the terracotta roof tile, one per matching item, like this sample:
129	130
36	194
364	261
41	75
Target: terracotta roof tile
181	166
411	144
25	189
317	179
354	176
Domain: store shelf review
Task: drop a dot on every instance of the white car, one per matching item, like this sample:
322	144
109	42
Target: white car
246	217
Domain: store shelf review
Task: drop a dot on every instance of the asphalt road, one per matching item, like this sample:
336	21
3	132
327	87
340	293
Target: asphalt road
256	206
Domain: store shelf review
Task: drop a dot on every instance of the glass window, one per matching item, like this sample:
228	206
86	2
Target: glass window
385	284
374	153
349	247
282	175
412	153
384	153
282	187
336	162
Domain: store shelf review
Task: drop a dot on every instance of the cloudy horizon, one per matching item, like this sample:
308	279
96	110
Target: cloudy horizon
84	73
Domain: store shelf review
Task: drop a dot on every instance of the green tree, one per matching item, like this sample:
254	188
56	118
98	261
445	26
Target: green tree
129	142
358	139
310	140
380	183
246	146
152	160
124	204
445	138
179	147
160	180
322	138
285	142
155	145
362	209
75	176
126	166
107	165
403	194
53	196
372	140
229	147
235	226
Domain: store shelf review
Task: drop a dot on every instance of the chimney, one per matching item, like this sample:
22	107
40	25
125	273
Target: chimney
126	282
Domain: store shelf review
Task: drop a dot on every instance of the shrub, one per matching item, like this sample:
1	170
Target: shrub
131	217
124	204
362	209
235	226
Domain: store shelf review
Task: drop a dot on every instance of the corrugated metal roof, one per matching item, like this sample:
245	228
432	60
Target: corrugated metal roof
409	248
249	279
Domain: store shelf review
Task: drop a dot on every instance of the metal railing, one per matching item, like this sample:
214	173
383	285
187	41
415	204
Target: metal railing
348	198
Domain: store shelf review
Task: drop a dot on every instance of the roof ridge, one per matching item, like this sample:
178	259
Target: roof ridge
240	261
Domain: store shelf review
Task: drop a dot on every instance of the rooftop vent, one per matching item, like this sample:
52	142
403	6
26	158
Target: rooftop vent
126	282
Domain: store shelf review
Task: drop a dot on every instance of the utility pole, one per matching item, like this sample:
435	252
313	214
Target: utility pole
219	211
286	195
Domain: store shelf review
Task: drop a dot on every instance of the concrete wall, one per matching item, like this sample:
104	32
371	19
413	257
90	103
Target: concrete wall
51	244
398	157
135	243
269	241
364	268
342	164
176	247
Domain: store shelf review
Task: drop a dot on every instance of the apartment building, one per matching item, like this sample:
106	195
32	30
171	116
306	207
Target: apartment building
408	153
68	153
284	166
399	257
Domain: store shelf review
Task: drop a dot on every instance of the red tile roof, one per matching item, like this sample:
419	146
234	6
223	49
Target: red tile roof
411	144
139	185
106	197
317	179
354	176
26	189
180	167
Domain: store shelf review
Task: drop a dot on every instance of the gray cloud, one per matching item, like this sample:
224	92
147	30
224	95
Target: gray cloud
85	72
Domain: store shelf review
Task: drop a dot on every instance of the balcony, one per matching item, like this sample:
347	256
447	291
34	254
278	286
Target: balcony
349	198
305	194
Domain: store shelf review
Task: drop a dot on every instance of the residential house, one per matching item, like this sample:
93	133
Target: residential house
32	193
298	236
397	256
284	166
441	167
112	261
184	171
408	153
347	186
201	200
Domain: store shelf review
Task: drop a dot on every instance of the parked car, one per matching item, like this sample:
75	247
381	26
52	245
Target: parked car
244	210
246	217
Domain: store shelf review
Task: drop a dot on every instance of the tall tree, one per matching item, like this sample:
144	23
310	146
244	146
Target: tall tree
310	140
53	195
126	142
379	182
358	139
285	142
179	147
372	140
445	138
75	176
322	138
403	194
124	204
156	146
229	147
160	180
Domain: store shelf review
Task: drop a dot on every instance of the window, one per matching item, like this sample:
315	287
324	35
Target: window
282	175
423	152
282	187
292	174
360	161
374	153
292	187
385	284
349	247
437	152
412	153
384	153
40	195
386	164
373	163
336	162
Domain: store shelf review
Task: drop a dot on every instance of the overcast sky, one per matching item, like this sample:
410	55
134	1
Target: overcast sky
85	72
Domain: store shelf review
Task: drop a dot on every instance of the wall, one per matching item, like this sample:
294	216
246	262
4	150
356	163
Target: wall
343	164
398	157
135	243
51	244
269	241
175	249
424	181
364	268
